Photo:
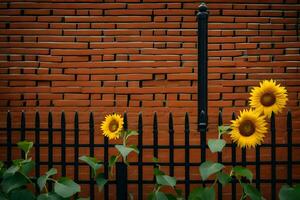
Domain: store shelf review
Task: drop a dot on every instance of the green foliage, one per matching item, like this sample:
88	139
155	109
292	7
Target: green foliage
96	164
251	192
208	168
242	172
201	193
163	180
124	151
223	129
15	179
25	146
42	180
66	187
289	193
216	145
92	162
223	178
101	181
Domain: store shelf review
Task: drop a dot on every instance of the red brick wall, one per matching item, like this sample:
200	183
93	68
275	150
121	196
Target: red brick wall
118	55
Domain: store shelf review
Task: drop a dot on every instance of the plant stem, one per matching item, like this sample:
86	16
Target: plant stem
215	181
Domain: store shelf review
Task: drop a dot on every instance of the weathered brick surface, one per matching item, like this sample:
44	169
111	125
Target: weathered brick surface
118	55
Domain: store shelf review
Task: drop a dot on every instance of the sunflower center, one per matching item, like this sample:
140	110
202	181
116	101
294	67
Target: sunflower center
113	126
268	99
247	128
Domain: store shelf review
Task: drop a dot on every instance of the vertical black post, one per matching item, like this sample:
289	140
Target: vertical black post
63	144
171	144
76	149
121	170
233	158
257	166
273	157
220	123
203	135
106	186
289	143
121	178
187	154
155	136
8	137
125	125
155	139
202	18
37	145
91	130
23	129
50	144
140	157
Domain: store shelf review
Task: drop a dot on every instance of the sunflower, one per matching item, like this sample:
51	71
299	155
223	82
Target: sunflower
112	126
249	129
268	97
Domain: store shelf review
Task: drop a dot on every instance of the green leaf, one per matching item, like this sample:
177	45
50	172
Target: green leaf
101	181
155	160
166	180
157	172
13	182
208	168
223	178
223	129
42	180
51	172
27	167
49	196
179	192
124	151
11	171
130	133
216	145
243	171
170	197
23	194
151	196
25	146
92	162
251	192
133	146
160	196
112	161
203	194
3	196
289	193
66	187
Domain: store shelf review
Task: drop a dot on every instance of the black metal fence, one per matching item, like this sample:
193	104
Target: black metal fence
121	171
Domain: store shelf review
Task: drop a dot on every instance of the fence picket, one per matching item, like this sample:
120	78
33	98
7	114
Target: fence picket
187	154
233	160
140	157
273	157
23	131
220	123
290	148
9	137
63	143
50	145
92	154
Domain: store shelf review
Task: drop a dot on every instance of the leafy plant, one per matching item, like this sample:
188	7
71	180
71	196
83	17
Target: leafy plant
15	179
123	149
163	180
95	165
289	193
